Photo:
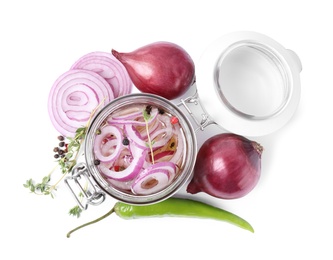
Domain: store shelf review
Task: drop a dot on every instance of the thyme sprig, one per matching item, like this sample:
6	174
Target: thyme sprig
147	117
74	144
66	162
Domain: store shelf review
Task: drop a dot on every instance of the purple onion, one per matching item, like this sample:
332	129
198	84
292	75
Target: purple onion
160	68
228	166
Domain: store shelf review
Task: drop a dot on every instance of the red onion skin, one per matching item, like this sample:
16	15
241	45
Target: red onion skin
228	166
160	68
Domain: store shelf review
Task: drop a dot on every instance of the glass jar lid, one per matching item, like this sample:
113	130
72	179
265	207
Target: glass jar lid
249	84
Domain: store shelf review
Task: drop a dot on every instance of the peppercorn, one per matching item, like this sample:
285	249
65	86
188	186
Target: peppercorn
160	111
60	152
125	141
61	144
61	138
55	149
97	162
148	109
56	156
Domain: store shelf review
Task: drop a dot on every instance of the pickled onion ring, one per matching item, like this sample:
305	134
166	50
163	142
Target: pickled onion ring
99	143
72	98
154	178
153	181
169	166
162	136
109	146
131	171
162	155
132	116
135	136
134	121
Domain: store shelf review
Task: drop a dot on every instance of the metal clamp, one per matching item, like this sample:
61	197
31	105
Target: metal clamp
193	106
89	191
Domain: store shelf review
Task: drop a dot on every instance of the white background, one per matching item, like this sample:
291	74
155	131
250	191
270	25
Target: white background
290	209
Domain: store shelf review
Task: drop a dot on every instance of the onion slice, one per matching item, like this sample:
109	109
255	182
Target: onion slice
110	68
72	98
131	171
135	137
139	120
100	142
165	133
150	182
154	178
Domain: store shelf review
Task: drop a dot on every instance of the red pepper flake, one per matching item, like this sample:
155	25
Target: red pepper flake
174	120
117	168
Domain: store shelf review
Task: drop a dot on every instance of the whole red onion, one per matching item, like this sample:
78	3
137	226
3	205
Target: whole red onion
228	166
160	68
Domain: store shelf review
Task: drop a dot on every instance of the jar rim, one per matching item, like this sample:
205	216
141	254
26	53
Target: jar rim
277	64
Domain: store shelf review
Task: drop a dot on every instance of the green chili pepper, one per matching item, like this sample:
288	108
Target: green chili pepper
173	207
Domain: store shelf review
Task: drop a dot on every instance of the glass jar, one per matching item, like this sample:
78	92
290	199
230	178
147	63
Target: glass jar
98	185
249	83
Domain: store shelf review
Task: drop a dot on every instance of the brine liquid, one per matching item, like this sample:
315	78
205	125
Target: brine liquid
140	149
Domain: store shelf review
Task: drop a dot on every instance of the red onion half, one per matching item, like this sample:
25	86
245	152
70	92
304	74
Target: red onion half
228	166
73	96
94	78
107	66
160	68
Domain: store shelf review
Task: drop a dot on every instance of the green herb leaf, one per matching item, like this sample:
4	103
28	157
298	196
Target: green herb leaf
65	163
146	116
75	211
150	143
65	160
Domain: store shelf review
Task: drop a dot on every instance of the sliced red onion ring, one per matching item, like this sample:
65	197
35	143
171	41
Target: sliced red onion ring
169	166
99	143
165	132
152	126
134	121
134	136
109	146
130	116
154	178
131	171
110	68
163	154
72	98
150	182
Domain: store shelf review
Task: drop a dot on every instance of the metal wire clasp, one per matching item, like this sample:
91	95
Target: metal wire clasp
87	191
197	112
